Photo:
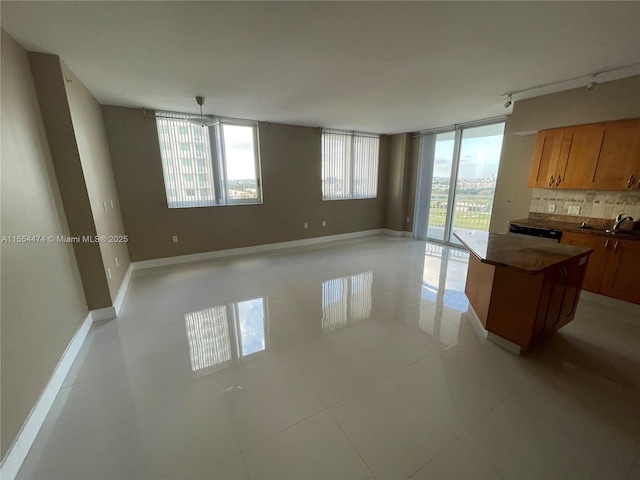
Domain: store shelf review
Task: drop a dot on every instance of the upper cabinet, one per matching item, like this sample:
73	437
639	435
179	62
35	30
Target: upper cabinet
618	164
545	158
599	156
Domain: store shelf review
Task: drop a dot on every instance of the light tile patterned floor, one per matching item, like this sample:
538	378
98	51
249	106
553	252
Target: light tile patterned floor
351	360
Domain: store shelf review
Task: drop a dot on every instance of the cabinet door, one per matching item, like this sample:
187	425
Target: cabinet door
622	276
575	273
618	158
598	259
561	289
545	158
579	155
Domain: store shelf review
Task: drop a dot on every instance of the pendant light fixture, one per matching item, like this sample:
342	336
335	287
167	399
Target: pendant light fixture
202	120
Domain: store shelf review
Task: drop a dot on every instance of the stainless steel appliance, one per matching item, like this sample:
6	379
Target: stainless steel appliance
549	234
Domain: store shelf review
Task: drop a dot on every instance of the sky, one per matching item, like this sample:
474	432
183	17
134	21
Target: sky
479	154
238	144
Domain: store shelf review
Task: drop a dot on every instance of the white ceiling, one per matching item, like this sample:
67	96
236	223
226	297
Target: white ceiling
383	67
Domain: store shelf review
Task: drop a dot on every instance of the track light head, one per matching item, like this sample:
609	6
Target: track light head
509	101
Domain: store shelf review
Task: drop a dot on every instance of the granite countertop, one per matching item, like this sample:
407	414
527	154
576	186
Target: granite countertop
519	252
597	228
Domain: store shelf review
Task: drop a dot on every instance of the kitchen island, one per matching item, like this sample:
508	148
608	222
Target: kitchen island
521	289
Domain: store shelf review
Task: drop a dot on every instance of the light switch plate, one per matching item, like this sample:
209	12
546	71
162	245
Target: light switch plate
551	207
574	210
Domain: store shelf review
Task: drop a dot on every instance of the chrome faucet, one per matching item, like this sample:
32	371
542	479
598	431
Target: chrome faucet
619	219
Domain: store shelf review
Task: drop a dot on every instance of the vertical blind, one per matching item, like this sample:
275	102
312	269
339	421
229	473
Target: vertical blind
349	165
186	162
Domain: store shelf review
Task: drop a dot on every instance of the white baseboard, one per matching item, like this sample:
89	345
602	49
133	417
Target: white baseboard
122	292
492	337
504	343
100	314
25	438
195	257
397	233
478	328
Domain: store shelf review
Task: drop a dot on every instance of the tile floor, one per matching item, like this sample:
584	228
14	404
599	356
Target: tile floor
351	360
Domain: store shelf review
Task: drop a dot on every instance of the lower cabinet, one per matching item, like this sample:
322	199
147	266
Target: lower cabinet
559	298
614	265
523	308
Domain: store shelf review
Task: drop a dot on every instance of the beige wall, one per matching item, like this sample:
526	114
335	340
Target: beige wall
608	101
76	134
54	105
414	154
42	297
292	193
91	141
398	183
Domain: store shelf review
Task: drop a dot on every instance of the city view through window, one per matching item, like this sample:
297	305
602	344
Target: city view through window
474	174
193	178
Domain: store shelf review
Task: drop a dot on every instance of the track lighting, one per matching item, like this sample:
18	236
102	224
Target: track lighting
590	86
509	101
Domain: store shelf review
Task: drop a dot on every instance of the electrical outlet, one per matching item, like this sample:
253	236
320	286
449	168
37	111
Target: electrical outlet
551	207
324	223
175	239
104	205
109	273
574	210
408	220
306	225
111	203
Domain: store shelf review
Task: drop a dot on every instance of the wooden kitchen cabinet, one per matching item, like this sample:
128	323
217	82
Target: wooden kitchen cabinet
545	158
622	276
559	299
564	157
522	289
614	266
597	261
580	150
617	166
598	156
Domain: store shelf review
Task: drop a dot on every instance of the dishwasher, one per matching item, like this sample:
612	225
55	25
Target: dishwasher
550	234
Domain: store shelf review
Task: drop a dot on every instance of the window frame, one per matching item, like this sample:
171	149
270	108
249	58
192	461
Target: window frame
218	157
218	163
349	169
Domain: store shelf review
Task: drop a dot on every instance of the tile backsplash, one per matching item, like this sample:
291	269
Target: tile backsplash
588	203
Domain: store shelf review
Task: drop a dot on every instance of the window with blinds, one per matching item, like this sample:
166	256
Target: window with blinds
206	166
349	165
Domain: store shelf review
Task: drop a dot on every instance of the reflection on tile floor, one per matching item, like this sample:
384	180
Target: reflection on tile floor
351	360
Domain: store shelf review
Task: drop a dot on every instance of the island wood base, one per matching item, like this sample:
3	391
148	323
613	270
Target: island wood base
523	308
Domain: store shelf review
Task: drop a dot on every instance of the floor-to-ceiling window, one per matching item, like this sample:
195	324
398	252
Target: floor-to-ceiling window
458	175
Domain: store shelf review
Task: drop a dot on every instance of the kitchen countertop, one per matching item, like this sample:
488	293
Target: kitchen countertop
575	227
526	254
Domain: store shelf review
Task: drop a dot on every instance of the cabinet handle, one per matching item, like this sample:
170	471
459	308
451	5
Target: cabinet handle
631	181
558	180
606	244
551	181
615	246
